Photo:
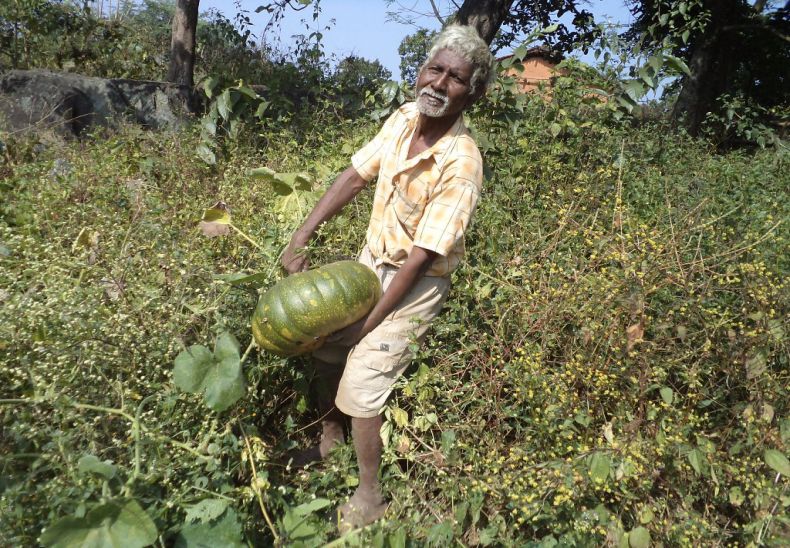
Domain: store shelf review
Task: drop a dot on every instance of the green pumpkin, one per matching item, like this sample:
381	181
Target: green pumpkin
297	313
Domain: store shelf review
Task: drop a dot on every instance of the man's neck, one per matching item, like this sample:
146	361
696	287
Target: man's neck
430	130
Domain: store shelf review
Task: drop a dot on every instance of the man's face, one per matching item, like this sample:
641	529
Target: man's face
443	85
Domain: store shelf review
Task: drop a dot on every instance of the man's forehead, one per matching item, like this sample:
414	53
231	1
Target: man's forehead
448	56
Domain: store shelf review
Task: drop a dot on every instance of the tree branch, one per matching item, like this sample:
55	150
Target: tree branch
436	12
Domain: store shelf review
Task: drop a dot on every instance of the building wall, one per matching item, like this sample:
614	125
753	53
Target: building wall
537	71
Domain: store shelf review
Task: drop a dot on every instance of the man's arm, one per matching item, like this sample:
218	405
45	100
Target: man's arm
413	269
346	186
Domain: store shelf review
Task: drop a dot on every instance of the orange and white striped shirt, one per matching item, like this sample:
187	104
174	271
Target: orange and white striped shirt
428	200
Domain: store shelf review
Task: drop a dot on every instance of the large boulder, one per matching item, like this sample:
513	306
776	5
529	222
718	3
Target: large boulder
67	103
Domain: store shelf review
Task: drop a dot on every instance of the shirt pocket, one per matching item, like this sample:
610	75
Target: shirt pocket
410	198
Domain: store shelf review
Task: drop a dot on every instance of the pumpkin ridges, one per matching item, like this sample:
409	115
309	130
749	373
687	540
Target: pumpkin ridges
297	314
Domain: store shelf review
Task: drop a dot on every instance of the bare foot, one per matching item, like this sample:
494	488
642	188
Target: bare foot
363	508
331	436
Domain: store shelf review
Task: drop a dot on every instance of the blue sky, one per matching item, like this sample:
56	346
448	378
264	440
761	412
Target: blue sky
361	27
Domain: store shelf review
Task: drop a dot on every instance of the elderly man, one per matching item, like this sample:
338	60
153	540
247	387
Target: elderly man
429	179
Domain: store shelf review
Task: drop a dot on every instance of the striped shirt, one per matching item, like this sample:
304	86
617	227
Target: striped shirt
427	200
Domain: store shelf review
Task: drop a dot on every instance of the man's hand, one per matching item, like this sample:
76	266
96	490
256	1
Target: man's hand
295	258
350	335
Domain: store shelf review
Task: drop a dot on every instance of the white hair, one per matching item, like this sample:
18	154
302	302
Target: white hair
466	42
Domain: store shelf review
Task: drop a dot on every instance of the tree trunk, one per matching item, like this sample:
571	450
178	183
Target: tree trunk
710	66
485	15
182	43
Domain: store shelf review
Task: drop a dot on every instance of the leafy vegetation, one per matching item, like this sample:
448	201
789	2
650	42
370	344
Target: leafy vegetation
612	365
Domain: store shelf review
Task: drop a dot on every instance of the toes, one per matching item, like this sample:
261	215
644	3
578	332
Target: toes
353	515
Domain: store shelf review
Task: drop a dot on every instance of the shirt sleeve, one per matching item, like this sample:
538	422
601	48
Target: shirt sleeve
367	160
449	210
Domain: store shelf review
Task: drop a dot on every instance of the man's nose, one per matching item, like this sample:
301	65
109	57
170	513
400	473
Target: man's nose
440	82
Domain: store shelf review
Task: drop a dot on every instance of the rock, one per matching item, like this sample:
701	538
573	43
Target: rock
67	104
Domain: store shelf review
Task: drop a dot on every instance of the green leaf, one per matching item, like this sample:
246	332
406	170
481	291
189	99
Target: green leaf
656	62
695	459
311	507
206	154
677	64
555	129
736	496
209	125
634	89
639	537
600	465
685	36
667	395
92	464
663	19
121	524
225	532
298	181
225	104
262	107
756	366
218	376
206	510
776	460
216	215
244	90
550	29
646	78
208	86
195	357
400	416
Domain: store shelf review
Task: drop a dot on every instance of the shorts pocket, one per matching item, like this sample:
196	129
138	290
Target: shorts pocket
384	351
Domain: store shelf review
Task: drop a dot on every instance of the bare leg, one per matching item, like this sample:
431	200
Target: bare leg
327	378
367	505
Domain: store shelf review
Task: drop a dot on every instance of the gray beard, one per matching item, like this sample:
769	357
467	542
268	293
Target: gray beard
430	110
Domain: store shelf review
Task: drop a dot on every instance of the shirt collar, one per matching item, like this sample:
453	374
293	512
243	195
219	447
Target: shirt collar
446	143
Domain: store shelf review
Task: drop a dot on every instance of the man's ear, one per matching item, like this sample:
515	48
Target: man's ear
479	92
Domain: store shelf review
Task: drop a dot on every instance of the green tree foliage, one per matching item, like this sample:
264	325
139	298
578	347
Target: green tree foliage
737	51
413	51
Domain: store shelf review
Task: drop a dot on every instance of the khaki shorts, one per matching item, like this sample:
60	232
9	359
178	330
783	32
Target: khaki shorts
376	362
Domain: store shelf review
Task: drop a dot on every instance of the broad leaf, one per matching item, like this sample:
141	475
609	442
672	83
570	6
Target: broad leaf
776	460
639	537
279	183
600	466
667	395
92	464
206	154
262	106
216	215
225	104
121	524
634	89
249	92
196	357
206	510
218	376
225	532
208	86
695	458
677	64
